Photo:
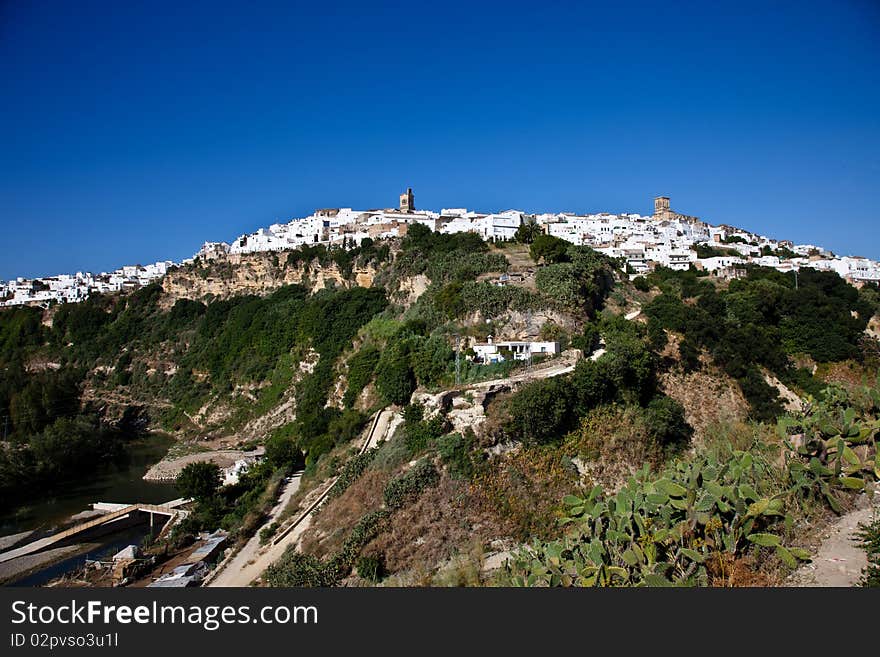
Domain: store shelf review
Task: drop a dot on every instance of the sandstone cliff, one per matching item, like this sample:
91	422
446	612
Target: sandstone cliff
254	273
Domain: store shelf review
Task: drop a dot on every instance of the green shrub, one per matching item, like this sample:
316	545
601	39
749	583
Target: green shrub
266	533
282	452
455	452
199	480
657	337
431	359
458	266
297	569
360	371
548	248
666	422
393	452
563	283
541	411
493	301
371	568
354	468
406	487
395	381
588	340
419	433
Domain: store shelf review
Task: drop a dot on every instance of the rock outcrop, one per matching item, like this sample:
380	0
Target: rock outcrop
254	273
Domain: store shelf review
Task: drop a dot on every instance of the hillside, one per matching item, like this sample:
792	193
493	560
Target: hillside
692	443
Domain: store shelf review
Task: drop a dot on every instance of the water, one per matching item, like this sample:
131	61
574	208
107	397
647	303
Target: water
114	482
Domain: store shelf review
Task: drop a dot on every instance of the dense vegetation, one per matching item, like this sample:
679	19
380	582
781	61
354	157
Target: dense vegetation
546	410
238	508
760	321
445	258
215	346
47	436
578	278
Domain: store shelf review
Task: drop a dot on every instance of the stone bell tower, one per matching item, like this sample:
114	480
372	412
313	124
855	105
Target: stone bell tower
407	201
661	207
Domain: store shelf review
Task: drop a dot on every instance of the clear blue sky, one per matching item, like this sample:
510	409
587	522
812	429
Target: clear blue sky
132	132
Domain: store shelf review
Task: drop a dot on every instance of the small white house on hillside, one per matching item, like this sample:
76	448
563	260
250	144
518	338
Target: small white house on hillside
496	352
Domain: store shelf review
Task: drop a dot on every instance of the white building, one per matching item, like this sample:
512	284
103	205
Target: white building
643	242
494	352
721	262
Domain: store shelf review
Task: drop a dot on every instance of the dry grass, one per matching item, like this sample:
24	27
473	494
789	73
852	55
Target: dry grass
725	570
847	373
520	493
518	257
710	397
612	443
333	522
430	531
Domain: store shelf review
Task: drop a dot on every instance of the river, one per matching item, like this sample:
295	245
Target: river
114	482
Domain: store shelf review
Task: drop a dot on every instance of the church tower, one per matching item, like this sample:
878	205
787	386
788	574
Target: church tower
407	201
661	207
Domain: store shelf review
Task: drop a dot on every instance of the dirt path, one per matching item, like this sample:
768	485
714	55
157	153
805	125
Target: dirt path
839	560
556	369
242	568
250	562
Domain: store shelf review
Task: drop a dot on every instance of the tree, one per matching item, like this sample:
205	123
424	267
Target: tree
527	231
540	412
395	381
590	386
564	283
666	422
431	359
448	300
588	341
282	452
360	371
551	249
628	364
418	236
199	481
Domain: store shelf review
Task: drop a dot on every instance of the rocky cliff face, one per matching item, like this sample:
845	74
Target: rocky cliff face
254	273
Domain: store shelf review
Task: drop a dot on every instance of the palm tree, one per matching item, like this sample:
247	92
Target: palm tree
527	232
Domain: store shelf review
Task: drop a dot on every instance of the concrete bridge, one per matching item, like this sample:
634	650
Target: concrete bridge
117	516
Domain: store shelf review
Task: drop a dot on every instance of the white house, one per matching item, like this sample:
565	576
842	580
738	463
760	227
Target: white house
494	352
498	226
720	262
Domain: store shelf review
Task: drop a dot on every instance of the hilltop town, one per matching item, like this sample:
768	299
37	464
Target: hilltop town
666	238
404	397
